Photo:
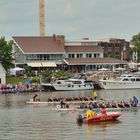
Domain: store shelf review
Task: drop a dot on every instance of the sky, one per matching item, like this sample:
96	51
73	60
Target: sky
76	19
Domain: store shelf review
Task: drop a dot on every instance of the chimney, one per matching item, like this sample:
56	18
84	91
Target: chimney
61	39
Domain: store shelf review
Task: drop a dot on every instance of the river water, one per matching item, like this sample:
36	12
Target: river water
21	121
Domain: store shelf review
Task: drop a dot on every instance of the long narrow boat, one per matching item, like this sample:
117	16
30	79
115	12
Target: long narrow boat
64	109
69	102
111	116
80	109
96	109
111	109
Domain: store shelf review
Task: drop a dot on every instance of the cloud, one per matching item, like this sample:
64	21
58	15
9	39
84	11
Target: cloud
73	18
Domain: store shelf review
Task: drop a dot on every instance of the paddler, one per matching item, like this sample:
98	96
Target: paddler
62	104
36	98
134	102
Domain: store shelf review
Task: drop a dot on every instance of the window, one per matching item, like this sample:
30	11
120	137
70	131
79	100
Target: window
132	79
88	43
79	55
71	55
117	53
117	49
96	55
89	55
109	49
137	79
58	82
125	79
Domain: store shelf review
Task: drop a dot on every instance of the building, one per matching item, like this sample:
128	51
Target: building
2	75
39	52
54	52
116	48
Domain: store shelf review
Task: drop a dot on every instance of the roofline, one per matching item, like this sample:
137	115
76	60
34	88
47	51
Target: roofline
93	63
2	68
44	53
18	45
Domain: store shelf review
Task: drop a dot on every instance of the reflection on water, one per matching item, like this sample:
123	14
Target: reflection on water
19	120
103	125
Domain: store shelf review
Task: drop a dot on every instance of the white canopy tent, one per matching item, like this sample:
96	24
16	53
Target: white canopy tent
15	70
104	69
119	69
133	65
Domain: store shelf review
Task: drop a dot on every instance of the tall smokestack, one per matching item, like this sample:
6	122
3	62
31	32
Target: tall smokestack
42	17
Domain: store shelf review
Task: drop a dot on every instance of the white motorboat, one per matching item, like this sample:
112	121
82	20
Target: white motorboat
122	82
73	84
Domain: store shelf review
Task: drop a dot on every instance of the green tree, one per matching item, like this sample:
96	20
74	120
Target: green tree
6	53
135	42
47	76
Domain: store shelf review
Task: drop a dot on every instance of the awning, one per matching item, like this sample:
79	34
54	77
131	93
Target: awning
34	64
48	64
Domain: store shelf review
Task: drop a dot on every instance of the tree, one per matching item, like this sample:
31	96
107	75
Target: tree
135	42
6	53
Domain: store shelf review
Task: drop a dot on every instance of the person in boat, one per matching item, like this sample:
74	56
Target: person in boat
62	103
36	98
103	111
134	102
90	113
95	95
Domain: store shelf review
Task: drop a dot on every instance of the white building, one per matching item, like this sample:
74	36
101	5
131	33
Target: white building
54	52
2	75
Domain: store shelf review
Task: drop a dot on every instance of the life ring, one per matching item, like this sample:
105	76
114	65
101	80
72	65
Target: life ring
58	106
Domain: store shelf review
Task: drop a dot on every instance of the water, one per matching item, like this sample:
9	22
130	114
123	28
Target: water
21	121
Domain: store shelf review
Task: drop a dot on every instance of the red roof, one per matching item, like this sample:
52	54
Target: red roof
84	61
39	44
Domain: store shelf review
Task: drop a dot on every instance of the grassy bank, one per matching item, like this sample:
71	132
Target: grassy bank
14	80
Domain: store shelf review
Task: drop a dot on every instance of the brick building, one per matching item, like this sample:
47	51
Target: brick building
116	48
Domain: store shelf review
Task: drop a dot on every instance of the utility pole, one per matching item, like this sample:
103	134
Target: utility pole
42	17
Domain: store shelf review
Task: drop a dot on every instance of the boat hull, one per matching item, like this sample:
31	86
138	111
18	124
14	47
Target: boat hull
72	89
106	84
72	84
112	116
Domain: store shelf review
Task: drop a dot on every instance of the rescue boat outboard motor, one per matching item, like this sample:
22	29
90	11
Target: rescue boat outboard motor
80	119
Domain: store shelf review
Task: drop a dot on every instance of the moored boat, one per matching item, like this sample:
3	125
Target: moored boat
123	82
72	84
110	116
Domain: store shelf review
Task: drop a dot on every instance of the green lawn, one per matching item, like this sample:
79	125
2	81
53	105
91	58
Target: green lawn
14	80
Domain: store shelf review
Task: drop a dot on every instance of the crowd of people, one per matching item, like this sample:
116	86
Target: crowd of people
91	113
17	88
85	102
111	104
72	99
